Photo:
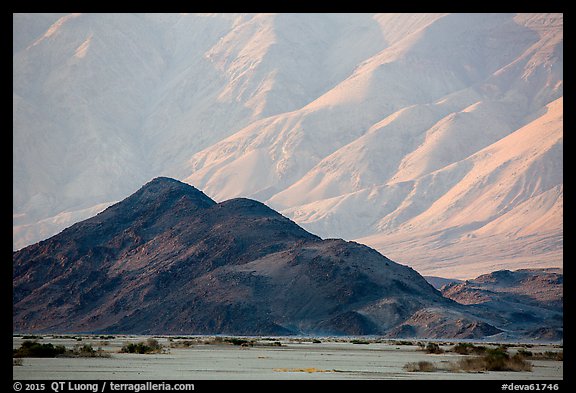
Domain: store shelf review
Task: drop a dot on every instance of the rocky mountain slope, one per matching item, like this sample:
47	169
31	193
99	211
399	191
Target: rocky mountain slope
434	138
526	300
168	259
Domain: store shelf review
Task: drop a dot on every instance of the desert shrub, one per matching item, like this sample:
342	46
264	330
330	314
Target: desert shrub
518	363
135	348
151	345
182	344
154	344
468	348
32	349
471	364
239	341
555	355
214	340
419	366
496	359
524	353
433	348
32	337
85	351
462	348
357	341
548	355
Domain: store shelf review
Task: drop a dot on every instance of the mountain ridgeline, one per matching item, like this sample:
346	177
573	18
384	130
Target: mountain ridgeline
170	260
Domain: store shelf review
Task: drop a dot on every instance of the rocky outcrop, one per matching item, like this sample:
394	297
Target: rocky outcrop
528	302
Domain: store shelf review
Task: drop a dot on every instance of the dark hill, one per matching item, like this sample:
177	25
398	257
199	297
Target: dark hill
168	259
526	301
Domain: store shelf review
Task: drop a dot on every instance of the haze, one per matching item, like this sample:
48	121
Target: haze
435	138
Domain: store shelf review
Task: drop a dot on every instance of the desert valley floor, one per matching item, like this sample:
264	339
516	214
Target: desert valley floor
205	358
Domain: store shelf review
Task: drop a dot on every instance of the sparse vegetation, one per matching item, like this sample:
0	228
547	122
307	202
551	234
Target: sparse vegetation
240	341
487	359
477	358
555	355
357	341
495	359
33	349
463	357
524	353
548	355
433	348
213	340
182	344
468	349
151	345
85	351
32	337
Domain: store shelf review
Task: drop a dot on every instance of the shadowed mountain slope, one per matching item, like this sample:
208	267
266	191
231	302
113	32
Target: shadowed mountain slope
170	259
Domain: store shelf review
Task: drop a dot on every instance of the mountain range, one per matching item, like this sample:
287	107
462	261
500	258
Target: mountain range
169	260
436	139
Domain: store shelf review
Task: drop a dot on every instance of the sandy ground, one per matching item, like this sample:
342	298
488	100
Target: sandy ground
294	359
